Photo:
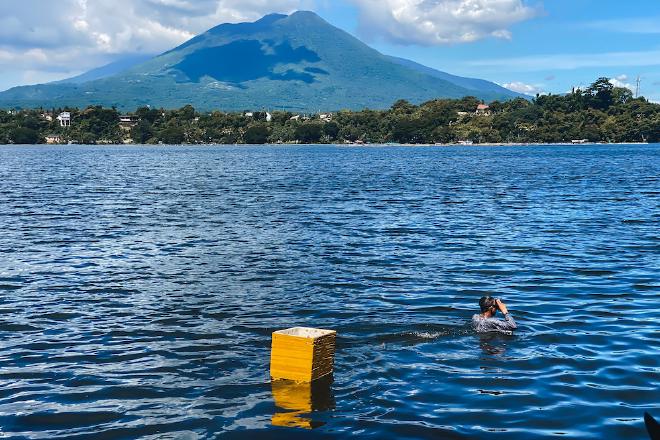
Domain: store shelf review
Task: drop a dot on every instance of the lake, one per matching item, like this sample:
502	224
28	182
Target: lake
139	287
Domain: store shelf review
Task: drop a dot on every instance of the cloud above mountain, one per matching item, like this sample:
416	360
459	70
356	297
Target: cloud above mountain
44	40
119	26
115	26
431	22
41	40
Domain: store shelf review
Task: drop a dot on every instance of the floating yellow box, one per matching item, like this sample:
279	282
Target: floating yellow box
302	354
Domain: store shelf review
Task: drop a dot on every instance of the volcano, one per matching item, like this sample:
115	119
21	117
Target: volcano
295	62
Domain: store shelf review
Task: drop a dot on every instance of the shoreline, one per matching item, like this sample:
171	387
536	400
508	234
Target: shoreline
513	144
350	145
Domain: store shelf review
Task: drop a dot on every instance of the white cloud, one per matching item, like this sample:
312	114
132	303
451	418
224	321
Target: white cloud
70	36
66	37
431	22
526	89
620	81
115	26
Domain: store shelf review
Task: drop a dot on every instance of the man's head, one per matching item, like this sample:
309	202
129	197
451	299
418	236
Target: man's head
488	304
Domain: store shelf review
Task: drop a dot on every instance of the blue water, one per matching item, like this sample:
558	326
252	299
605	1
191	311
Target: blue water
139	287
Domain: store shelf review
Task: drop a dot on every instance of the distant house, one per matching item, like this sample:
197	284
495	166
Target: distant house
483	110
249	115
127	122
325	117
269	117
295	118
65	119
127	119
53	139
48	117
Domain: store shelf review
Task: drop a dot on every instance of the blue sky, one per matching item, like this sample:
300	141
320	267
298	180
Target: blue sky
568	43
527	45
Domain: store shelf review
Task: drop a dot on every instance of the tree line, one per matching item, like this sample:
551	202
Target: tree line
599	113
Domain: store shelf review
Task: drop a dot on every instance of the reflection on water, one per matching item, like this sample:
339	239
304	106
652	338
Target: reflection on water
494	344
300	400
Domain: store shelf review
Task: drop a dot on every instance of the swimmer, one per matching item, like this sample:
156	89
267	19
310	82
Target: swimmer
486	321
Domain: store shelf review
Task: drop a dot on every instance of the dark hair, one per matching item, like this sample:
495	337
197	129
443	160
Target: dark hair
486	302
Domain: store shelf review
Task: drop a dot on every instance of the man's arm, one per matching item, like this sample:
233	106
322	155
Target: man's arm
508	323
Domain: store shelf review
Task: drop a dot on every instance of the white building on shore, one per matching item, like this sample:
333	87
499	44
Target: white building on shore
65	119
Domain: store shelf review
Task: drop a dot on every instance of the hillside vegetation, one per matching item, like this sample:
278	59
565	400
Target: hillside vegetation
297	63
601	113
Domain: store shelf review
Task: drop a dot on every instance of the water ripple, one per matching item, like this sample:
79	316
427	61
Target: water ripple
139	287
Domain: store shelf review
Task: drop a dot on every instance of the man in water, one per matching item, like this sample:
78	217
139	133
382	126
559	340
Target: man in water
486	321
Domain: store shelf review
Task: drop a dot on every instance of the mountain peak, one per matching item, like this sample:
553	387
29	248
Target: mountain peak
271	18
298	62
305	14
307	17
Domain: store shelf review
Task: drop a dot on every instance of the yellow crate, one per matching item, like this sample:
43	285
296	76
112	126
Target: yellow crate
302	354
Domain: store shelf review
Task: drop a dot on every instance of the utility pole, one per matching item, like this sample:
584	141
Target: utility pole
639	82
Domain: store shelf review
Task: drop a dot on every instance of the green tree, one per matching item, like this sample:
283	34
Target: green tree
187	113
309	133
621	95
601	94
148	114
142	132
95	124
331	130
408	130
600	112
23	135
468	104
403	107
256	134
172	135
